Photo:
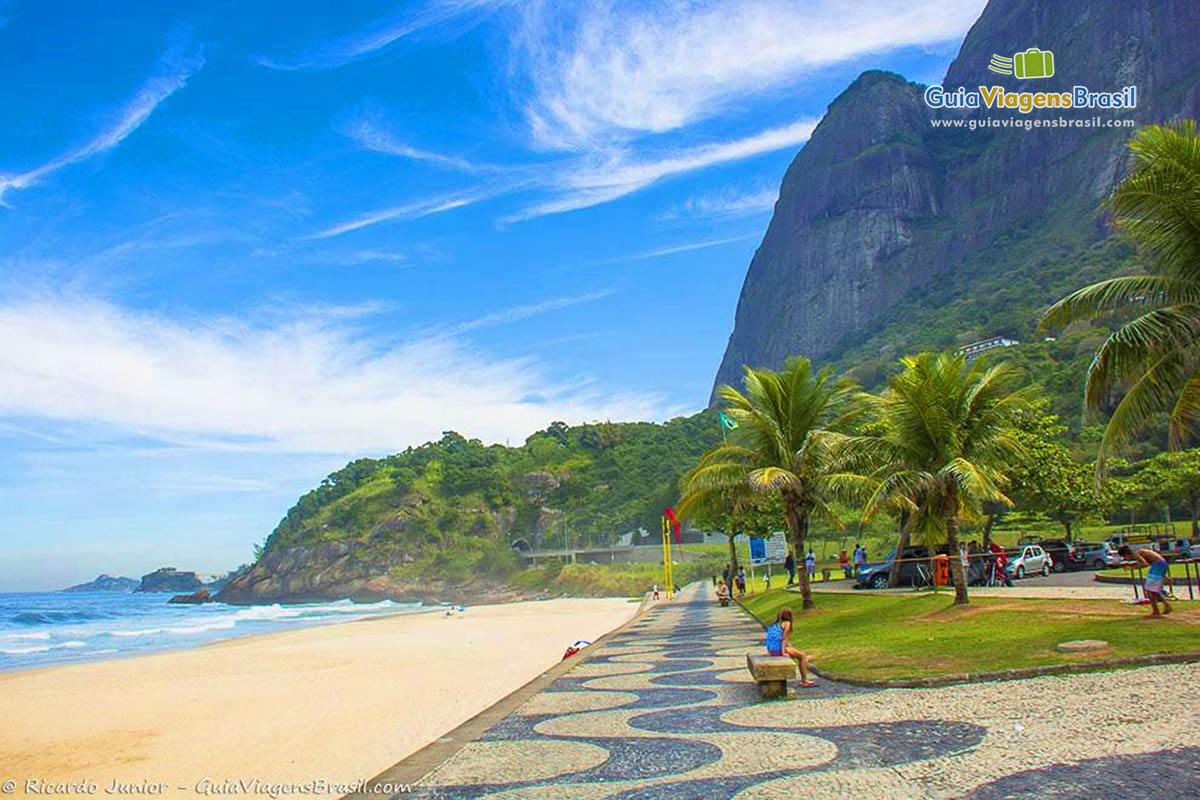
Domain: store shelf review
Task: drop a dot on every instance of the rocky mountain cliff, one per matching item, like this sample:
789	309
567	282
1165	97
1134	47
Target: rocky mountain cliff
880	205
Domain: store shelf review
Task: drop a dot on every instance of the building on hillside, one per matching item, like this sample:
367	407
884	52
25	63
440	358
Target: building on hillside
974	350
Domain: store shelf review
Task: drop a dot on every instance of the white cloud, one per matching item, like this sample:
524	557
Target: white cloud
369	131
602	72
178	63
618	173
518	313
724	203
383	32
413	210
689	246
307	382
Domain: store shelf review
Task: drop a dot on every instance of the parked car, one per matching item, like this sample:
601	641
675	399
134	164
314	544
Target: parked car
1180	548
1059	551
875	575
1029	560
1097	555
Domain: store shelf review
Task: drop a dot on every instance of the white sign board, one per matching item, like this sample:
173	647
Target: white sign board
775	550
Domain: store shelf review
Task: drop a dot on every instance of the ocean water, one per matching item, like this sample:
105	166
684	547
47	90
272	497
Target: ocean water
44	628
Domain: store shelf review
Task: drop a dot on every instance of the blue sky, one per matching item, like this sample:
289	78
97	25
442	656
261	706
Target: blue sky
241	243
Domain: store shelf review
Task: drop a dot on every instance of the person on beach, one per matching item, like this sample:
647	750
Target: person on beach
789	564
779	644
1156	573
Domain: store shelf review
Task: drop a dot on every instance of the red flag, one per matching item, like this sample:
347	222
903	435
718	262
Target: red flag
670	513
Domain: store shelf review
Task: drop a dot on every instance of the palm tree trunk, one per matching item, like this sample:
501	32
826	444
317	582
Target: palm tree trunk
797	517
733	562
956	570
894	574
987	530
1195	503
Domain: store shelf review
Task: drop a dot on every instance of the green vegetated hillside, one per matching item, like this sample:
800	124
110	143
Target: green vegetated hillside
443	518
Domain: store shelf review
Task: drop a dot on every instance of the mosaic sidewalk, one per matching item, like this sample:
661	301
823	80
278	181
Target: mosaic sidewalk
666	709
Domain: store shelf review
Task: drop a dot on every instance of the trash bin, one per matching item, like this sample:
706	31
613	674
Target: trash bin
941	570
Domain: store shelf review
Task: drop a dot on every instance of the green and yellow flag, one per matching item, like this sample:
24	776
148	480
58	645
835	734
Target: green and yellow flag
728	421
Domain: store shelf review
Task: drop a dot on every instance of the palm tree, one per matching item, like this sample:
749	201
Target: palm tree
1158	352
944	439
781	445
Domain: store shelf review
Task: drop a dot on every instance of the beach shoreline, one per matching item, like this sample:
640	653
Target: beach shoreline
321	706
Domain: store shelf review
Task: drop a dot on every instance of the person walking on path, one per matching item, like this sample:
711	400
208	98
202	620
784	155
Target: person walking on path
810	564
778	644
789	564
1156	574
741	582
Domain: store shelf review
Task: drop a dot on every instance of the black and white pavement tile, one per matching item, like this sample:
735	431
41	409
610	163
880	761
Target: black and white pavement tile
667	710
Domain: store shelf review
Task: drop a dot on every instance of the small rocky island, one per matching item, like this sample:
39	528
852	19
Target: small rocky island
169	579
105	583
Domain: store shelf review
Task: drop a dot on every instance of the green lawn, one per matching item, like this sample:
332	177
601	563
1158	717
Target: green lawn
917	636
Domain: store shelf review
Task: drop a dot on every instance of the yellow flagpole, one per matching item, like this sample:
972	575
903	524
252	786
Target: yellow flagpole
670	560
666	561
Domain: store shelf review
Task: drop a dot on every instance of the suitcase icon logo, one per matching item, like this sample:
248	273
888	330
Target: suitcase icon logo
1033	63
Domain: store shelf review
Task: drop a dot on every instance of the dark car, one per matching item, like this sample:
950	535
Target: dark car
1060	551
875	575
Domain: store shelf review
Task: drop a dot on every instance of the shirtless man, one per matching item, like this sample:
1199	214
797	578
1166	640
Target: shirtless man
1156	573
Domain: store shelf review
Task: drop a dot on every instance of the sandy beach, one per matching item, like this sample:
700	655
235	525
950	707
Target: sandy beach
337	703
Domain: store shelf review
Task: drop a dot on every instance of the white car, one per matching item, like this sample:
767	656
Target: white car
1100	556
1029	560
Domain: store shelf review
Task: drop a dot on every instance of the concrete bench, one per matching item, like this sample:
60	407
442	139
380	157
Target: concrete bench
771	673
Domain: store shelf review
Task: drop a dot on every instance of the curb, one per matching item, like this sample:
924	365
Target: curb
1015	674
1123	581
411	769
1004	674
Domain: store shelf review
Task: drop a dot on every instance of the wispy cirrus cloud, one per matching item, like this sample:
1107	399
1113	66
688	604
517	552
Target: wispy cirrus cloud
407	211
604	178
508	316
687	247
182	59
368	129
602	72
384	32
305	381
723	203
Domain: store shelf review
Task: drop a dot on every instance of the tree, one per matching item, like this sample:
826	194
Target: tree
1157	352
781	445
1174	478
1048	479
734	512
946	438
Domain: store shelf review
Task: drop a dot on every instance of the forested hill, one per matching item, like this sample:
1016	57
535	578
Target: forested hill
440	519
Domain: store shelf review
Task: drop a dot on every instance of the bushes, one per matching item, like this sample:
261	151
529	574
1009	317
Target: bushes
610	580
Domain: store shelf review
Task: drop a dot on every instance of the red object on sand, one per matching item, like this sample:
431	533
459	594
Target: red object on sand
670	513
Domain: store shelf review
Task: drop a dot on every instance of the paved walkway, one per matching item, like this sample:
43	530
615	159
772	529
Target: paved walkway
666	709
